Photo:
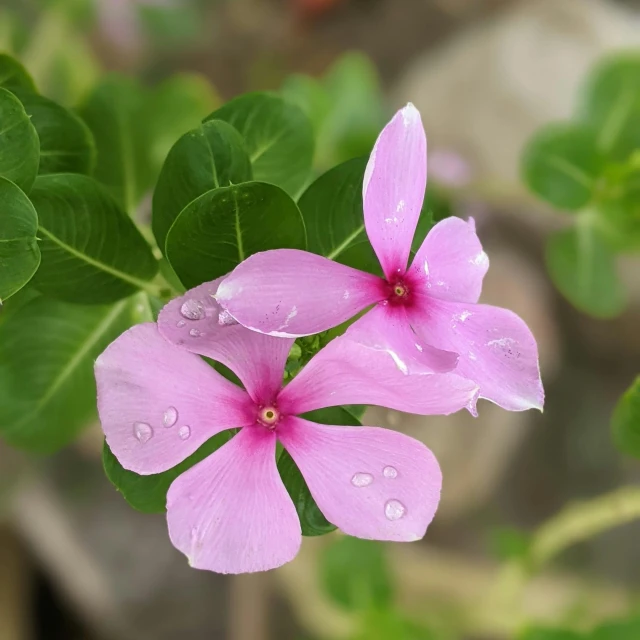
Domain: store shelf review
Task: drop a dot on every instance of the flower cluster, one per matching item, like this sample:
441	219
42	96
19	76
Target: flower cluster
426	346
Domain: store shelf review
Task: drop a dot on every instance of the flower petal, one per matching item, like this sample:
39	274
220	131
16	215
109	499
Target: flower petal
231	513
497	349
158	403
393	189
350	372
197	323
291	293
451	263
371	483
387	328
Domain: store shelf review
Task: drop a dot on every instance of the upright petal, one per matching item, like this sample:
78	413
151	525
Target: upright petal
371	483
197	323
450	264
497	349
231	513
393	189
291	293
386	328
158	403
350	372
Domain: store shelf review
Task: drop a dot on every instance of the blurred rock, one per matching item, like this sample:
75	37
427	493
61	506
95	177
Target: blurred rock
490	87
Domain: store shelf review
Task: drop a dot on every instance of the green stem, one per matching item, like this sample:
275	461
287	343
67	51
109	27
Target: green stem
583	521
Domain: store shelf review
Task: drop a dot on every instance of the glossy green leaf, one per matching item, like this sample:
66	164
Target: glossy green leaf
92	253
312	520
332	212
149	493
277	135
66	144
206	158
19	252
115	114
176	106
13	75
610	104
221	228
583	268
625	422
355	574
561	164
47	388
19	144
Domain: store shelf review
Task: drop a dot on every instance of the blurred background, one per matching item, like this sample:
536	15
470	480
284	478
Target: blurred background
77	563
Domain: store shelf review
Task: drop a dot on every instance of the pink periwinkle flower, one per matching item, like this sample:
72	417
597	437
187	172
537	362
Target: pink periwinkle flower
427	314
159	402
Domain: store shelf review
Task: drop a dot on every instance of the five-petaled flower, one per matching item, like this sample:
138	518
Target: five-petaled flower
159	402
426	315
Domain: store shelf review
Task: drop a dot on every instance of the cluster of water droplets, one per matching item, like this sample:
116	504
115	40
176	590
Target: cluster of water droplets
393	509
143	431
193	310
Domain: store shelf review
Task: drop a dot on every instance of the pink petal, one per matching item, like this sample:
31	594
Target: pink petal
197	323
386	327
350	372
291	293
393	189
371	483
158	403
451	263
231	513
497	349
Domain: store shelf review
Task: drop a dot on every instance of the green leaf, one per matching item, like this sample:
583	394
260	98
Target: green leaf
508	543
628	629
176	106
388	623
583	268
47	388
332	211
625	422
619	211
13	75
19	144
206	158
355	574
312	520
19	252
561	164
610	104
149	493
357	113
92	253
277	135
115	114
308	94
66	144
221	228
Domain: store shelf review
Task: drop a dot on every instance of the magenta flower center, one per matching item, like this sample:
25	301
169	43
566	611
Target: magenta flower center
269	416
398	291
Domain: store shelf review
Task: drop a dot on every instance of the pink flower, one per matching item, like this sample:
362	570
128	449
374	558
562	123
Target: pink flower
433	303
159	402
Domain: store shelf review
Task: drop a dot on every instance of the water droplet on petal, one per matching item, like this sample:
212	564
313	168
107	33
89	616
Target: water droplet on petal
170	417
184	432
180	324
362	480
192	310
142	431
195	333
225	319
394	510
390	472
